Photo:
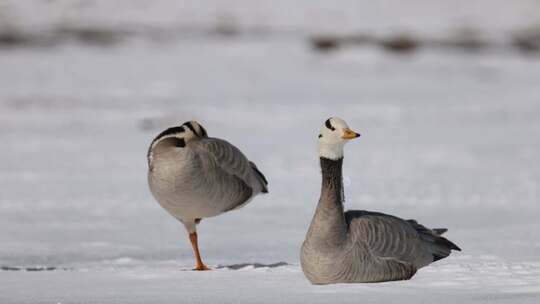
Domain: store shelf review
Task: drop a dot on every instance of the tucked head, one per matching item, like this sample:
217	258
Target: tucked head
177	136
193	129
333	135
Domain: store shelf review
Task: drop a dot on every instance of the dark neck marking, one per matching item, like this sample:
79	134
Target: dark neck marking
328	227
332	176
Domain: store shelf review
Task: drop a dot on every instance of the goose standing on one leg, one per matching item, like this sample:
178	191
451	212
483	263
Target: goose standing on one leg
361	246
194	176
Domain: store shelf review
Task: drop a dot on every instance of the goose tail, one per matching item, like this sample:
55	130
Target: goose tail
440	247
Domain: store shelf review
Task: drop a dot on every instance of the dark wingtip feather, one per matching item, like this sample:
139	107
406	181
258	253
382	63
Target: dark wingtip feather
448	244
259	173
439	231
261	177
444	242
455	247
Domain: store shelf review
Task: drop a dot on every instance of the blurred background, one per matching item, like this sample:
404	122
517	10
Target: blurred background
445	93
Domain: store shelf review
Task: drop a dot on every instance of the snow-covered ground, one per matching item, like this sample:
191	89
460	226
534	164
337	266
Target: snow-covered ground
463	280
450	139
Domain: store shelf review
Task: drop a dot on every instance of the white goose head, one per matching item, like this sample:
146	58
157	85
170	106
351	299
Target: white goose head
177	136
335	133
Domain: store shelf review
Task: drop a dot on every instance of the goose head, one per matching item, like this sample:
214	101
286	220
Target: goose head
193	129
176	137
334	134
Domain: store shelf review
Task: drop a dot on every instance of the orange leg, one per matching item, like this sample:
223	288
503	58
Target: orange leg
200	265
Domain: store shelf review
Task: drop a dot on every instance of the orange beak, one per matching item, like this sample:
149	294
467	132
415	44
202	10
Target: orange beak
349	134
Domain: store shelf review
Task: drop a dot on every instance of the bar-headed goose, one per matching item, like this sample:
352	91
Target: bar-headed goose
194	176
361	246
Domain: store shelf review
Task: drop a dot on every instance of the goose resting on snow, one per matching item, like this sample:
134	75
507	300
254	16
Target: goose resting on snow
361	246
194	176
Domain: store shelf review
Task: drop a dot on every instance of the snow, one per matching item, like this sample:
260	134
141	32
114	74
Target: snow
450	139
467	279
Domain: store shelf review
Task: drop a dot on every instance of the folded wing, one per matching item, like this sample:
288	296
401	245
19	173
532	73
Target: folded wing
391	238
232	161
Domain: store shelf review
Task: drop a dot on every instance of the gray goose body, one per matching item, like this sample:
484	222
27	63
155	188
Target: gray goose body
207	177
194	176
363	246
